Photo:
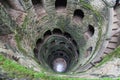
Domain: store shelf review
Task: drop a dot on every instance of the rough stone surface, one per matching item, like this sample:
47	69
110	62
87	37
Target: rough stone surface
22	26
111	68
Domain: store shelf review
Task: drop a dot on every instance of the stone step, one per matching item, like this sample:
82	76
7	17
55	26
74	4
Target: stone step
115	20
115	26
112	45
115	14
114	40
108	50
97	60
84	68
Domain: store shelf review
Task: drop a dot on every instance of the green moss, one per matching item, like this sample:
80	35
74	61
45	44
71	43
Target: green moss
19	37
18	41
17	71
99	20
25	23
110	56
13	67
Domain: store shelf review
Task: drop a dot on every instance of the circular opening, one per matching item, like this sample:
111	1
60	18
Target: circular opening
57	47
78	14
59	65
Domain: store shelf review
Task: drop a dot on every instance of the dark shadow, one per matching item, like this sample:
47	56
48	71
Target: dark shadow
60	4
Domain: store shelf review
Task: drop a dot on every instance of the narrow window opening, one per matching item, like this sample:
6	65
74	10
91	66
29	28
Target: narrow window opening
47	33
35	50
60	4
117	4
37	2
62	43
39	8
78	15
88	52
67	35
55	54
91	30
39	41
70	48
74	42
89	49
57	31
65	57
61	54
78	52
89	33
53	42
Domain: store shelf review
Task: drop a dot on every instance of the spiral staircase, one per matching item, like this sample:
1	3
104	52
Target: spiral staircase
59	36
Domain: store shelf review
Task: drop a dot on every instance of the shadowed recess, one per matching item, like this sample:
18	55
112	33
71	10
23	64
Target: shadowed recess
60	3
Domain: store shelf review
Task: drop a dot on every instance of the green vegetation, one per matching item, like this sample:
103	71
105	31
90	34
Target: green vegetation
19	37
99	20
18	71
18	41
12	67
115	53
25	23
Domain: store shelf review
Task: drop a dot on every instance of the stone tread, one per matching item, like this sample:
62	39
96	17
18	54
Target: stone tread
113	43
114	39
